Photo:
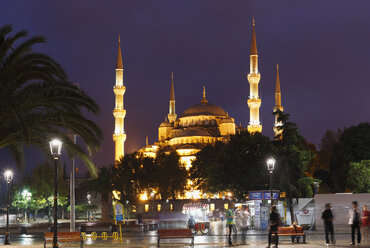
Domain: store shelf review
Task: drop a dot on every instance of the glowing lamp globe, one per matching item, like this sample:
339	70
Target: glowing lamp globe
55	147
8	176
271	165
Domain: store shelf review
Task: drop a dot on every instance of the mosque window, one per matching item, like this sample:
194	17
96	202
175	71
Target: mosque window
146	208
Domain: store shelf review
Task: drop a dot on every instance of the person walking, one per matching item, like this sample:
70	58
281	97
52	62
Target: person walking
274	225
365	222
354	217
191	223
230	215
327	216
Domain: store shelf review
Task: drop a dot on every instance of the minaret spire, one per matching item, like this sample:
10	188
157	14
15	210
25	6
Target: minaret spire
278	105
204	100
172	112
254	101
119	55
254	41
119	113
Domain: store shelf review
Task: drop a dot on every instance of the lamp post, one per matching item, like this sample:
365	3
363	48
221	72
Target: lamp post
88	207
55	150
270	168
8	176
127	201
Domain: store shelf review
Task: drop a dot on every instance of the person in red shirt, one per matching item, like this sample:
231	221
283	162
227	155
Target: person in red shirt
365	222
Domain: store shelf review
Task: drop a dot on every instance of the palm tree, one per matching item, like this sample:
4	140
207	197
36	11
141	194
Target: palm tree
102	185
37	102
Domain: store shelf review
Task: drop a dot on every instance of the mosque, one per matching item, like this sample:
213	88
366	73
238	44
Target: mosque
201	124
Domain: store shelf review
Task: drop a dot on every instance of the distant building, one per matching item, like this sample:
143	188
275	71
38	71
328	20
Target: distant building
201	124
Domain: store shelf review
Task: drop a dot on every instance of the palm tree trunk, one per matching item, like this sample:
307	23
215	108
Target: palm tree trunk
104	206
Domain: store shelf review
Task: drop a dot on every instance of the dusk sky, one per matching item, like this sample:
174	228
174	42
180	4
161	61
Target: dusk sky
322	47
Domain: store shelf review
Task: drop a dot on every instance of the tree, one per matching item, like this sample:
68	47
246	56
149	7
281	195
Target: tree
359	174
102	185
237	166
132	175
169	174
292	158
41	185
38	102
353	146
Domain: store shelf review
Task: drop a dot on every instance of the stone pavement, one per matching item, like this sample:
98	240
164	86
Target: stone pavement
258	241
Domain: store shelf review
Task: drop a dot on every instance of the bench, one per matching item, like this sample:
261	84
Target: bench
175	234
294	231
64	237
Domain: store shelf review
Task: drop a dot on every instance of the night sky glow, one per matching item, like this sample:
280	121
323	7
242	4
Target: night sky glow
322	48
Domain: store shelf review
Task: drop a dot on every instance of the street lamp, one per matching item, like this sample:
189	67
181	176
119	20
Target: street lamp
270	168
8	176
55	150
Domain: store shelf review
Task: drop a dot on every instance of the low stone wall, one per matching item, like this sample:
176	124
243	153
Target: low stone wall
341	204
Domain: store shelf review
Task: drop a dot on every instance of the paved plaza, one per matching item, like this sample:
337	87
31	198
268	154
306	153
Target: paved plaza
208	241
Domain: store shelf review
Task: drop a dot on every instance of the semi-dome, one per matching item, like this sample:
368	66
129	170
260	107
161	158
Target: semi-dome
165	124
204	109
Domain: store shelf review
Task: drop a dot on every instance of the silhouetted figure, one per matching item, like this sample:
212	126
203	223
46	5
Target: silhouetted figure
139	218
274	225
191	222
230	215
354	217
327	216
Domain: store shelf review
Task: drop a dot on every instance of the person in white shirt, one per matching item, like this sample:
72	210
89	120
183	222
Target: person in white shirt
354	217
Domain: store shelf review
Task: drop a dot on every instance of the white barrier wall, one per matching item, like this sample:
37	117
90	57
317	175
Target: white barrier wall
340	204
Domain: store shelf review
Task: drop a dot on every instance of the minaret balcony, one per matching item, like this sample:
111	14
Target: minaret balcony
254	128
119	89
254	103
119	137
278	108
254	77
119	113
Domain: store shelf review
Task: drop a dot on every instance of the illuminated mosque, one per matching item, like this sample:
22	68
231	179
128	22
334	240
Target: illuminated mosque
201	124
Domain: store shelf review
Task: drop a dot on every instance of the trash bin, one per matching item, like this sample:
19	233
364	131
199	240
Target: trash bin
82	228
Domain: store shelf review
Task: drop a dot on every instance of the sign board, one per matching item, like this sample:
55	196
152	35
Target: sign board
118	211
253	195
263	195
267	195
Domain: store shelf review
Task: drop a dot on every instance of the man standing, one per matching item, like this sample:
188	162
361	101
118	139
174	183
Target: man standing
230	215
274	224
327	216
354	217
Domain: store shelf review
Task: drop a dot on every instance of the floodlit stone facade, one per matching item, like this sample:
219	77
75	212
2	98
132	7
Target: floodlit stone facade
119	113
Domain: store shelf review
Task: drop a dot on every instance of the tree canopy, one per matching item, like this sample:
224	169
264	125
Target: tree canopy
38	103
237	166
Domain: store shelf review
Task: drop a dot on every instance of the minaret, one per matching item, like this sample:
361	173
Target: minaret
254	101
119	113
172	113
277	104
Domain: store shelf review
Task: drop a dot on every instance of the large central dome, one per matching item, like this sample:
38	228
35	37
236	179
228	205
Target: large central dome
204	108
